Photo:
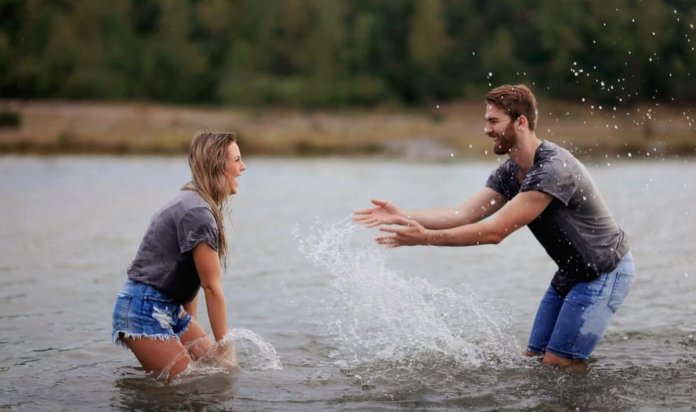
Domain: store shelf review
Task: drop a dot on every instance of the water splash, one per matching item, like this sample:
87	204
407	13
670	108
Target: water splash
239	349
381	316
254	353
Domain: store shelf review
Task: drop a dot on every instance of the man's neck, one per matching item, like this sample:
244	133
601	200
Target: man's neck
523	153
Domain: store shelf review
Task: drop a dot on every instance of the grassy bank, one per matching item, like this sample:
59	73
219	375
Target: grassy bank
451	130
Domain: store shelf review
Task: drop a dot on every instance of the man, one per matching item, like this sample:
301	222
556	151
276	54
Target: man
544	187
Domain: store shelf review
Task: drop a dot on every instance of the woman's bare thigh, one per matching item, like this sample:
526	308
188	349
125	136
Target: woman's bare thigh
169	356
196	341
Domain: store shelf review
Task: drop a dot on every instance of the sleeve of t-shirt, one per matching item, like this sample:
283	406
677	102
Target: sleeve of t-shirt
196	226
553	178
503	180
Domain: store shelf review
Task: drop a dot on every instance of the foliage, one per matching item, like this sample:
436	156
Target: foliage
310	53
10	119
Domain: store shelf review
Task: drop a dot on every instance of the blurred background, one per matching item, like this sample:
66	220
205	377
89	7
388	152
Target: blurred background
386	97
320	77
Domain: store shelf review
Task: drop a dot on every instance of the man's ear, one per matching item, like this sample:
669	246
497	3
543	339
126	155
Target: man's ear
522	121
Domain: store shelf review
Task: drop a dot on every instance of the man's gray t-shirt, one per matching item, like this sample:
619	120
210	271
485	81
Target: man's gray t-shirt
576	229
165	256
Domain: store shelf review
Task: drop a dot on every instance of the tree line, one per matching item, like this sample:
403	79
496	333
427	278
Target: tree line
336	53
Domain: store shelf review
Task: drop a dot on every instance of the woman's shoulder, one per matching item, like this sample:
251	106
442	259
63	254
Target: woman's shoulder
189	208
185	202
191	198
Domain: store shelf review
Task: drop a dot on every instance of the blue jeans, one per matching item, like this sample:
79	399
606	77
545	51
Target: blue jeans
572	327
142	311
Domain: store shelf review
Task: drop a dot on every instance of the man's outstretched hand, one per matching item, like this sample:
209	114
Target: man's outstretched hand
405	232
378	215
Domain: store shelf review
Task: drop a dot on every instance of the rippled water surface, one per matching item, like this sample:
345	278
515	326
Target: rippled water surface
322	318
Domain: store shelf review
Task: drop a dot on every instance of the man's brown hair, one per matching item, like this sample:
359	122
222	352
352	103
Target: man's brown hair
516	100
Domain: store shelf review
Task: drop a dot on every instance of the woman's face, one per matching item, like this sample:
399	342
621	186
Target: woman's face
233	166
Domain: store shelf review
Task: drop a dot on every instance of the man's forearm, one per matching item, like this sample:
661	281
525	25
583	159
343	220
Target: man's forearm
438	219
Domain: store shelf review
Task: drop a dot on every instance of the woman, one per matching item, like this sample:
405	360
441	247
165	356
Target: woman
182	251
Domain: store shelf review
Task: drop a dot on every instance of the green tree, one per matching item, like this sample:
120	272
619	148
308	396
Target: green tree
247	75
498	58
101	49
172	66
561	46
428	46
36	71
331	52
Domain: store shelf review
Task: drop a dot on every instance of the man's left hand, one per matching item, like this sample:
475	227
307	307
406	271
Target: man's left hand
408	232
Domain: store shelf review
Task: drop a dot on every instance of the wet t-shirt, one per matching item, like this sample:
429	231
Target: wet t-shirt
165	256
576	229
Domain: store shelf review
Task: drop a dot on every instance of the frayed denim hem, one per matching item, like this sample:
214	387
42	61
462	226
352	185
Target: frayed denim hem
118	336
185	328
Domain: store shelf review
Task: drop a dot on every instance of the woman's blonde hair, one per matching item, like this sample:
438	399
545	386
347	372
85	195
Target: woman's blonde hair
207	156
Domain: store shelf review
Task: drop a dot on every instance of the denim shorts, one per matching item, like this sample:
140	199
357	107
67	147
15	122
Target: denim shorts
141	311
572	327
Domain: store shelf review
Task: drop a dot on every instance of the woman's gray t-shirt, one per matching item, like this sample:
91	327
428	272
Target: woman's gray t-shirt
165	256
576	229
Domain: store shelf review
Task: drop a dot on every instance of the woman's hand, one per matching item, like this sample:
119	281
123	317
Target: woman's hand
379	215
408	232
224	354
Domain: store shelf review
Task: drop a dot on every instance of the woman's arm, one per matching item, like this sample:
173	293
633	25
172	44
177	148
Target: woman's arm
207	263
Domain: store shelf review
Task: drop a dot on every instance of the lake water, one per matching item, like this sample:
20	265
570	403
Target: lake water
323	318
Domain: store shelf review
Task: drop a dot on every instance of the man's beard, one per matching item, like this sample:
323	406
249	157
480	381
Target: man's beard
507	141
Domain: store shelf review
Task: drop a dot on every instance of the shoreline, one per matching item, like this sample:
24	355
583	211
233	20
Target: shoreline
452	130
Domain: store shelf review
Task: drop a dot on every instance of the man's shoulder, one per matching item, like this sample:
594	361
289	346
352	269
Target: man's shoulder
507	166
552	156
549	151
